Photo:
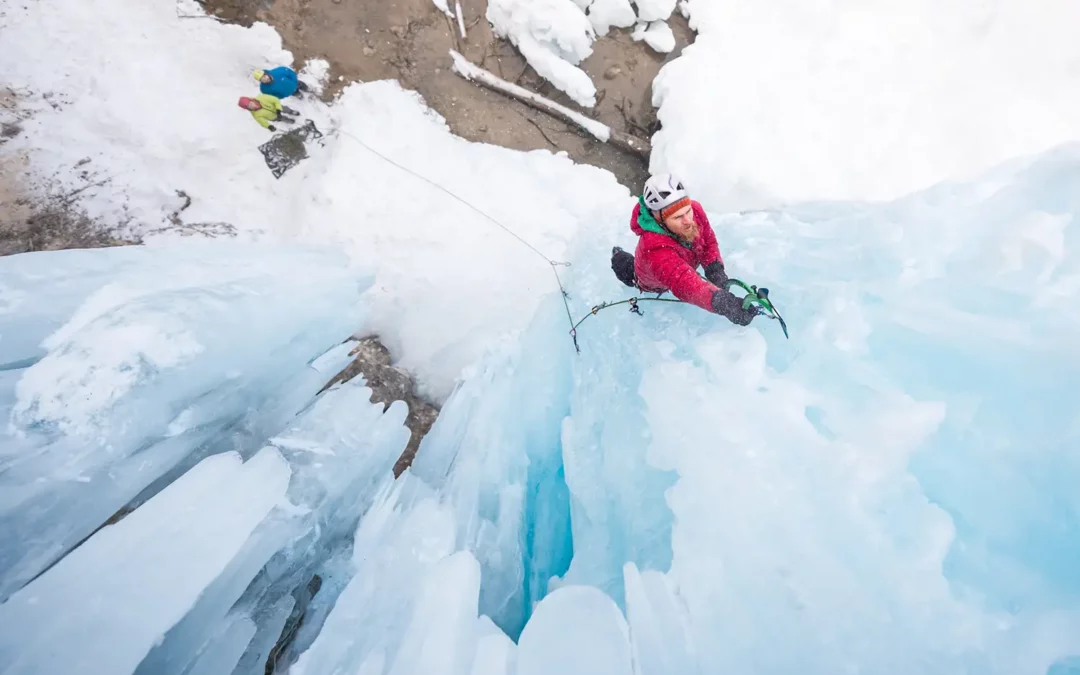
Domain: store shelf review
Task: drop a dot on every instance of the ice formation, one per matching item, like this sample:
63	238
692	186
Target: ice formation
123	367
254	332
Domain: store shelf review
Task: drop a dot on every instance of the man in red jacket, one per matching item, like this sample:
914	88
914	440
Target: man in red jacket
674	239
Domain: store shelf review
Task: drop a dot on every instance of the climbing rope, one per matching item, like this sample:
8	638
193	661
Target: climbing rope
754	296
633	302
554	264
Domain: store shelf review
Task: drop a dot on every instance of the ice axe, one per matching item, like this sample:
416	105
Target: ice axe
758	297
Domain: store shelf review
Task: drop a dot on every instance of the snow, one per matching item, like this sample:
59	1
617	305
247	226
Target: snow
863	101
607	13
316	73
553	36
657	35
654	10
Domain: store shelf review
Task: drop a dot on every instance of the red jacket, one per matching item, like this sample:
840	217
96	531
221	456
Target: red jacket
663	263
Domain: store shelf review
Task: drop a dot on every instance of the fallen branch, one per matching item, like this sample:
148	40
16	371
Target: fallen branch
599	130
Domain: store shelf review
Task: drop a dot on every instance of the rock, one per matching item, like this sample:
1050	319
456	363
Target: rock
483	128
389	383
612	72
396	30
368	51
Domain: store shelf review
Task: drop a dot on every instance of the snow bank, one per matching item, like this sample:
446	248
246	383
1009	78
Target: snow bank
553	36
130	373
868	100
656	34
607	13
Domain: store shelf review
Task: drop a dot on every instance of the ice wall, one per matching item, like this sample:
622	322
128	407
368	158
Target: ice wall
885	491
209	573
124	366
890	490
849	499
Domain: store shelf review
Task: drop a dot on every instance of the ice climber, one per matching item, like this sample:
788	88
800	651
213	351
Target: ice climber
674	239
266	109
280	82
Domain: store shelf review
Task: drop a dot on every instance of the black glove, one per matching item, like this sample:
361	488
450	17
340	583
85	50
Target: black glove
715	273
727	304
622	264
272	128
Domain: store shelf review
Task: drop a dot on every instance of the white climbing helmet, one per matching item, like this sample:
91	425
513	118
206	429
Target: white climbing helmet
663	190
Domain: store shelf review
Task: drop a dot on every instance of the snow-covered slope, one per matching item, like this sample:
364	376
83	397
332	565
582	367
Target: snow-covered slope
787	100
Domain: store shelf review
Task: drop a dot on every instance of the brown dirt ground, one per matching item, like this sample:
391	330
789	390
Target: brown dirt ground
409	40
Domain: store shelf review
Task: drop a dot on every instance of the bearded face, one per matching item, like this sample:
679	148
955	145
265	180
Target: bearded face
682	224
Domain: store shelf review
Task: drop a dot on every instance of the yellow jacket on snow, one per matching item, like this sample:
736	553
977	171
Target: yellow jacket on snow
271	106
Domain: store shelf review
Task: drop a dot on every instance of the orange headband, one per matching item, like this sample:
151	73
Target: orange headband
672	208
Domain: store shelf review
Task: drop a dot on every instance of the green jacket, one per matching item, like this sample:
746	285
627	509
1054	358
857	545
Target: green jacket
271	106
